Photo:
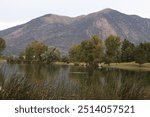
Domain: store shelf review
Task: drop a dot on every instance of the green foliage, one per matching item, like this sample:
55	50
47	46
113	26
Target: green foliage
75	53
89	51
146	47
38	51
2	45
52	54
127	51
92	50
112	52
140	55
65	59
34	50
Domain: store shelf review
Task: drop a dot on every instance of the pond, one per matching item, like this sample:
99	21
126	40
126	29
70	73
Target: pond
38	81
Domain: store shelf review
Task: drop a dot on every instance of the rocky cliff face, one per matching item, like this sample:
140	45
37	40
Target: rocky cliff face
63	32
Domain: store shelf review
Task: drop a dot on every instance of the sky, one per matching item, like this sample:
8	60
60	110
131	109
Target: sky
15	12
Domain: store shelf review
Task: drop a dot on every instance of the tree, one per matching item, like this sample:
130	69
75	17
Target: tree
89	51
146	47
112	51
140	55
127	51
65	59
75	53
92	50
2	45
52	54
34	50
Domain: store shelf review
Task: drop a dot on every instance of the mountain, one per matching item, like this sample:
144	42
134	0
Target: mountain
63	31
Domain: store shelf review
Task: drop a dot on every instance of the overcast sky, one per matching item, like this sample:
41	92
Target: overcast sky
14	12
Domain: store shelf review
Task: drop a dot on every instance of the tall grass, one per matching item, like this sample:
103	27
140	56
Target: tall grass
20	88
71	83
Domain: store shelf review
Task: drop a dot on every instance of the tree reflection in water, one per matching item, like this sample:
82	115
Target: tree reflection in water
35	81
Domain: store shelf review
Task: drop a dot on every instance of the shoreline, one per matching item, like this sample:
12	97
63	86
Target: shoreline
132	66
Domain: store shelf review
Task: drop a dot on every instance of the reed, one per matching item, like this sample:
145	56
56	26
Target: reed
20	88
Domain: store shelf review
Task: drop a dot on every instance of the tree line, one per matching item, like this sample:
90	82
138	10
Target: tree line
38	51
91	51
112	50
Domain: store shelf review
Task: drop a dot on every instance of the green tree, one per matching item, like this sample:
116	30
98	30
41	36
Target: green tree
89	51
140	55
75	53
34	50
65	59
2	45
127	51
92	50
112	51
52	54
146	47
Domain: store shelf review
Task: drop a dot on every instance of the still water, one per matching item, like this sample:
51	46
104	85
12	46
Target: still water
74	82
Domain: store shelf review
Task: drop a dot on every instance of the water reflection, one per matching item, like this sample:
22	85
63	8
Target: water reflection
73	82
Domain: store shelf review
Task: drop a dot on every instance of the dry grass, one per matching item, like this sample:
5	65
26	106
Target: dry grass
19	88
129	66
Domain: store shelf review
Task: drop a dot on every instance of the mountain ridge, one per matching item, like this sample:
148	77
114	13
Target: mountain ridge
64	31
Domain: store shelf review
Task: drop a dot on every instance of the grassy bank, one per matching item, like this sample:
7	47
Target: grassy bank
129	66
126	65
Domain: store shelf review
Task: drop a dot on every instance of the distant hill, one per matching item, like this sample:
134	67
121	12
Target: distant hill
63	31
